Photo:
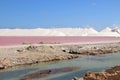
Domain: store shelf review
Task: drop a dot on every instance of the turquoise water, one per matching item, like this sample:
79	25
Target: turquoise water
85	63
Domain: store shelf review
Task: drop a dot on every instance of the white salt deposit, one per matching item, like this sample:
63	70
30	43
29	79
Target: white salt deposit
60	32
107	29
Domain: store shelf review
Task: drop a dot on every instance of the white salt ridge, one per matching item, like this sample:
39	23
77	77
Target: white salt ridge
107	32
60	32
115	34
47	32
107	29
116	29
76	31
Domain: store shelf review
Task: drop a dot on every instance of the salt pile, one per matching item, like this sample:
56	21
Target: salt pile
107	29
60	32
107	32
48	32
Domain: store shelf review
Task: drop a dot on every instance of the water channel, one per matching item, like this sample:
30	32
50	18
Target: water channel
84	64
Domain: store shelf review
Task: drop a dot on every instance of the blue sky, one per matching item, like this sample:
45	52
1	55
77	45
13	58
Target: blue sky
59	13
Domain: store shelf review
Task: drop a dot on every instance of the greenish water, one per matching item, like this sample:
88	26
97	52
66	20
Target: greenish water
86	63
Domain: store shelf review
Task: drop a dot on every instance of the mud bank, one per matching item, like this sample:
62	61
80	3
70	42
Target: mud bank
109	74
48	72
35	53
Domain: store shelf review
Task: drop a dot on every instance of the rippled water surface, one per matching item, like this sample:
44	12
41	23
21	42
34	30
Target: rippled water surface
85	63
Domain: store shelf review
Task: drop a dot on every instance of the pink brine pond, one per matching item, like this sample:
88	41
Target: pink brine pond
15	40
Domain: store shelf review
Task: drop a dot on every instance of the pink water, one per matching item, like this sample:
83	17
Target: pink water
14	40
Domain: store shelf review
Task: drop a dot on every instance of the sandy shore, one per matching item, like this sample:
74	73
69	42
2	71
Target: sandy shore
34	53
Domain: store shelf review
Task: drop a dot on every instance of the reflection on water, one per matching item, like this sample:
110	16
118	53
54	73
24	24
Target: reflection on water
48	72
86	63
9	75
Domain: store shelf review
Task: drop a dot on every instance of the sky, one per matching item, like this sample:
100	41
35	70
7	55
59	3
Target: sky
59	13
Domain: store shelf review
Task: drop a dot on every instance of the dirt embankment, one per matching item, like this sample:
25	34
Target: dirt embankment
29	54
92	49
24	55
109	74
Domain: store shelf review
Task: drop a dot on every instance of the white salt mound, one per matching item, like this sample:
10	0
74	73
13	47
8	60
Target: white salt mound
107	29
60	32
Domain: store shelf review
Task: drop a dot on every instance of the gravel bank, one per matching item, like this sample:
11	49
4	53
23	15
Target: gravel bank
34	53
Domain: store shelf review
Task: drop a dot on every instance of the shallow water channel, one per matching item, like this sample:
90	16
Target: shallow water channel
84	64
